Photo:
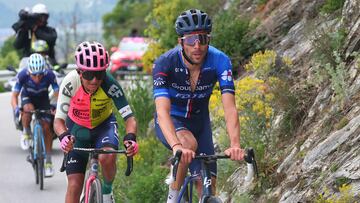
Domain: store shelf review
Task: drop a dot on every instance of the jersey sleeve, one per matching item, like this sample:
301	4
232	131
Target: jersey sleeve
160	77
20	77
67	90
53	81
224	74
113	89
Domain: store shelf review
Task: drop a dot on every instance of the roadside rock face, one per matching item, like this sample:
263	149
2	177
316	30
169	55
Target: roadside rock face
329	156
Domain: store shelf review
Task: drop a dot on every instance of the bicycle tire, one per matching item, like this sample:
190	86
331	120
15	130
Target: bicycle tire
40	157
95	192
213	199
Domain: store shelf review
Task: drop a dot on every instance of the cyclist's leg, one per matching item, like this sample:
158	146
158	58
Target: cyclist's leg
27	105
107	137
206	146
76	161
187	139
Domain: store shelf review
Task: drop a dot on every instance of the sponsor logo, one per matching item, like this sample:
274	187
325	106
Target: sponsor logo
72	161
207	182
81	114
115	91
67	89
226	75
97	112
182	88
190	96
64	107
179	70
159	81
105	139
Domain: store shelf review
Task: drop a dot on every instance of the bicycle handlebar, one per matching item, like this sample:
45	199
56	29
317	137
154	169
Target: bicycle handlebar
129	167
249	157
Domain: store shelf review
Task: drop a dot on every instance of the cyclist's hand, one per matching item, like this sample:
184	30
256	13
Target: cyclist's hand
235	153
53	109
132	147
130	144
187	154
17	112
67	143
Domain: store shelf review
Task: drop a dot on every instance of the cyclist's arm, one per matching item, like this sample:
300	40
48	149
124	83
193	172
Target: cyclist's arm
59	126
14	99
163	105
130	125
232	119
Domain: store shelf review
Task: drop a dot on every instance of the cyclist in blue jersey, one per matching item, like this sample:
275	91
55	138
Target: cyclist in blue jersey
184	78
32	84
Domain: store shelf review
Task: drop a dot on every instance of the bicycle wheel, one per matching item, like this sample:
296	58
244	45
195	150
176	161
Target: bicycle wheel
40	156
95	193
213	199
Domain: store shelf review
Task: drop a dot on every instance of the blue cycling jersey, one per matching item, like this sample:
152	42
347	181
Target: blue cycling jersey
172	80
28	87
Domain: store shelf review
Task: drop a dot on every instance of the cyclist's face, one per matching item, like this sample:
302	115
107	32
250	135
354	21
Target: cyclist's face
195	46
91	84
37	77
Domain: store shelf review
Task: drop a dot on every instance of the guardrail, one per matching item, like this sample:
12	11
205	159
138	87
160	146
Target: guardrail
6	74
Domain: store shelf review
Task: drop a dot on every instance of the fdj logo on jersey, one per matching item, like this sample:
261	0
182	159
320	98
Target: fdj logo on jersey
115	91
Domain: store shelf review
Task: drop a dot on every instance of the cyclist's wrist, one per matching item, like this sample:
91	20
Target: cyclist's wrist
64	134
176	144
130	136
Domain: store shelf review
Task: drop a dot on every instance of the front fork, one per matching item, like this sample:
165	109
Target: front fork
206	182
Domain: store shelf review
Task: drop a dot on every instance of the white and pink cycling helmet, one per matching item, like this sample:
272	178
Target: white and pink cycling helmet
91	56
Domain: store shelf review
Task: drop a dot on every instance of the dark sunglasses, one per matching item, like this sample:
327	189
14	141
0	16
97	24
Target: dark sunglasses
89	75
190	40
37	74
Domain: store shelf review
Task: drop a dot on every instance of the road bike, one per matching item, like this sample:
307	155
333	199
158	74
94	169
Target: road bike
185	194
37	152
92	191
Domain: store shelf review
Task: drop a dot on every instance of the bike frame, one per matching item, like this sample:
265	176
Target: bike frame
93	175
37	125
205	175
94	165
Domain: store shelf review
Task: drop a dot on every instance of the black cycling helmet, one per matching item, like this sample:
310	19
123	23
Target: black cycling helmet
192	20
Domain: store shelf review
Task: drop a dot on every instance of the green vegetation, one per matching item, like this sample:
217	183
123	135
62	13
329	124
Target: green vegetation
330	61
8	54
345	195
332	5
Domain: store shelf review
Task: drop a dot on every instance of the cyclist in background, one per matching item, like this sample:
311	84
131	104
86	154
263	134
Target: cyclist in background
33	83
84	118
184	78
32	26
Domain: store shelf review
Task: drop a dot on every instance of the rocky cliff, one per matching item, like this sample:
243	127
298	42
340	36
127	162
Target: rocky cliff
324	153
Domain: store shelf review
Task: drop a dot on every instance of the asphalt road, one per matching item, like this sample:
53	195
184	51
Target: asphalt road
17	178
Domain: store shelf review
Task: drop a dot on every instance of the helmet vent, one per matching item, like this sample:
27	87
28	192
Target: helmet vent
88	62
95	61
102	62
101	51
186	19
196	20
93	48
87	52
81	59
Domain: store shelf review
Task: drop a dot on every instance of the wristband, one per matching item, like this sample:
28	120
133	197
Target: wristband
130	136
178	143
62	135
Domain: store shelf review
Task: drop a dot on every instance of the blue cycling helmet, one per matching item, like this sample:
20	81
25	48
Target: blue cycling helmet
36	64
192	20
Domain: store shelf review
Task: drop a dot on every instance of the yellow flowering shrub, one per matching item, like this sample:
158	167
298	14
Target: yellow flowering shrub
346	195
262	63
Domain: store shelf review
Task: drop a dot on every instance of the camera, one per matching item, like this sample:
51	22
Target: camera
27	20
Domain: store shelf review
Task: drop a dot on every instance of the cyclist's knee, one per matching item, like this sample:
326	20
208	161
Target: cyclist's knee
107	159
187	139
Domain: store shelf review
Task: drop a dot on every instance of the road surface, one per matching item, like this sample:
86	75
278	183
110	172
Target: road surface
17	179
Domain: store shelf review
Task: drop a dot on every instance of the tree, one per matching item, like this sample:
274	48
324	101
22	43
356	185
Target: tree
8	54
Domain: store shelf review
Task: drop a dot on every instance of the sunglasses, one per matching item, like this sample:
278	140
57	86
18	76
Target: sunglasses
89	75
37	75
190	40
